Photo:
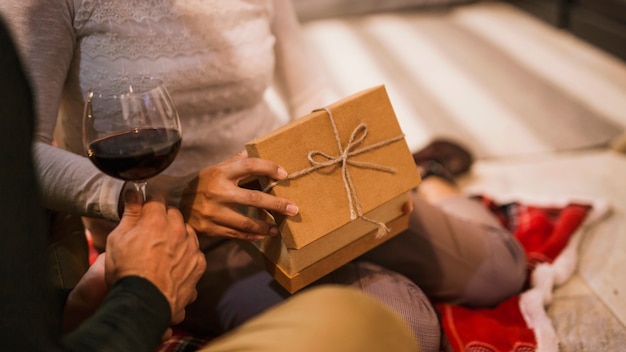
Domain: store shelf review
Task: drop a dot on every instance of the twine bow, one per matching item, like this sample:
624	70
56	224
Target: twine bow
344	159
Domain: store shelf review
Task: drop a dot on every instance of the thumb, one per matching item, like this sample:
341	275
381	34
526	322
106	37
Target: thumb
133	203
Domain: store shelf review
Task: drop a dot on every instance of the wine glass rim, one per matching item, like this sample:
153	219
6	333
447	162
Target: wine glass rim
125	86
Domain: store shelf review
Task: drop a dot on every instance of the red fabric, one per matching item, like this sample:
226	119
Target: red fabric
93	253
182	341
543	232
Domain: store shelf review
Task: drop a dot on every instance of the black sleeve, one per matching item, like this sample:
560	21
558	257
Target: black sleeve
28	320
134	315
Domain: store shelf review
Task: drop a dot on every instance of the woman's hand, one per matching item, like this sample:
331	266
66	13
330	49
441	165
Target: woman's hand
210	201
408	207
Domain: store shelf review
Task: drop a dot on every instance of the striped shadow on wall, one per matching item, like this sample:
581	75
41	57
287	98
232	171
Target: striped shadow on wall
486	74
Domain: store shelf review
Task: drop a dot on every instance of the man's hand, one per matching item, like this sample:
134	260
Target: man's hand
153	242
211	200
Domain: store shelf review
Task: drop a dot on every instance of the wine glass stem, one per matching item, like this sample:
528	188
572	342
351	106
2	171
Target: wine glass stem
140	186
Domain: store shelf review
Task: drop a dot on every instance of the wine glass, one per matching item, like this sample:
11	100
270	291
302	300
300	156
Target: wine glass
131	129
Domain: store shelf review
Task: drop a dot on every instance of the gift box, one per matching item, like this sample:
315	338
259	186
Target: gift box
350	171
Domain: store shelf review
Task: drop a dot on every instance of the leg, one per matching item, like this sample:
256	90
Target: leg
396	292
235	289
322	319
456	251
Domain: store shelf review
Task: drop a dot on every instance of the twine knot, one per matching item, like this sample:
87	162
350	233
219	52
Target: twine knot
344	159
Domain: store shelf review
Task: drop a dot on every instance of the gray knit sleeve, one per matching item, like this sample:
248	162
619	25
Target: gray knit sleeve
45	36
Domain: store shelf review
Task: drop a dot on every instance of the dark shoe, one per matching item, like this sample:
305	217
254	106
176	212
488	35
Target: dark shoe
433	168
454	158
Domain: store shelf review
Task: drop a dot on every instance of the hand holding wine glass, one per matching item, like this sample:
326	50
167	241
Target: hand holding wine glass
131	129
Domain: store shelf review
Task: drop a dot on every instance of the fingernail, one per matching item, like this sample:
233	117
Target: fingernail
282	173
273	231
292	209
132	196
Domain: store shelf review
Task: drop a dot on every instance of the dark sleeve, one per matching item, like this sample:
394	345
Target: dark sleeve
133	317
28	319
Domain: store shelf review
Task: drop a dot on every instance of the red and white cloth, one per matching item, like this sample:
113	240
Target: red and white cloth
550	232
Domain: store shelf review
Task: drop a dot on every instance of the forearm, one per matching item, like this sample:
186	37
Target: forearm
71	183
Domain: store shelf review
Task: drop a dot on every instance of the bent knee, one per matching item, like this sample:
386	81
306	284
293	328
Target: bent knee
405	298
349	312
341	302
496	282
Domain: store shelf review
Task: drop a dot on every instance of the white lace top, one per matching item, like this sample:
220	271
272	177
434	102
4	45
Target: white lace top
217	57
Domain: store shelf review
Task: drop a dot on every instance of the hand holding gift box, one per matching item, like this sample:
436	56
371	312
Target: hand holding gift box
349	172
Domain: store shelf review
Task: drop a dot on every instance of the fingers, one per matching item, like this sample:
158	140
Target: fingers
157	196
133	202
155	207
232	224
154	242
253	166
265	201
245	167
178	317
193	234
133	205
228	232
242	166
132	196
408	206
189	269
176	218
188	294
211	206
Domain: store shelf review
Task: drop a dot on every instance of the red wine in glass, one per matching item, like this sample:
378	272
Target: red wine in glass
135	155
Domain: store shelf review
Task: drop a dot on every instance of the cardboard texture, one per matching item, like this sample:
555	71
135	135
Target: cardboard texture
326	264
350	168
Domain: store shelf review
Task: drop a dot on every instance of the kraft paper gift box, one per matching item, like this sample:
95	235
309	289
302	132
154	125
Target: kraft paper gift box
350	170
